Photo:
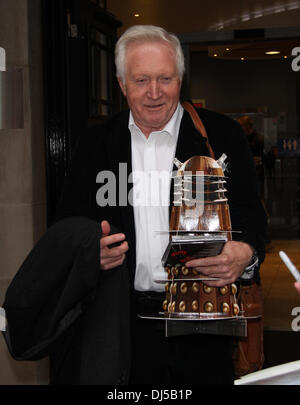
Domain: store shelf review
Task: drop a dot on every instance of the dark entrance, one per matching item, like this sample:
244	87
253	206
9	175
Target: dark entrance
80	89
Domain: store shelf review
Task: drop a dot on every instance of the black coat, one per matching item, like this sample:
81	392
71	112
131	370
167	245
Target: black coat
84	326
60	304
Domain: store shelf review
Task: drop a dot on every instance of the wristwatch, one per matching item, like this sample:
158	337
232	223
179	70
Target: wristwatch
250	269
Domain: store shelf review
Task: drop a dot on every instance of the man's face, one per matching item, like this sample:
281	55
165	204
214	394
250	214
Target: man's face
152	84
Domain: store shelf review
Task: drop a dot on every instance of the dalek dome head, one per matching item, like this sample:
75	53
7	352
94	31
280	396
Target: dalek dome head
203	164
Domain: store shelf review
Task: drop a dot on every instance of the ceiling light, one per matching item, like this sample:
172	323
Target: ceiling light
242	58
245	17
293	5
215	54
227	49
136	15
257	14
272	53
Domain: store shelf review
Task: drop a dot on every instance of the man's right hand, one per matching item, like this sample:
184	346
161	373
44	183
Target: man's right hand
111	257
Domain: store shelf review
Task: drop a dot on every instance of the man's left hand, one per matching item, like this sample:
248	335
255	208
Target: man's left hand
227	266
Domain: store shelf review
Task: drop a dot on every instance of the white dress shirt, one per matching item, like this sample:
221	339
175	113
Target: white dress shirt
152	165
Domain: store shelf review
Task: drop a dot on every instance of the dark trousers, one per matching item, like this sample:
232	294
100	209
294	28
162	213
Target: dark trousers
179	360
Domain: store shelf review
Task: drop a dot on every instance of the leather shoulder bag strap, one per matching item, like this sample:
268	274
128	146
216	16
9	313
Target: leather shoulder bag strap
198	125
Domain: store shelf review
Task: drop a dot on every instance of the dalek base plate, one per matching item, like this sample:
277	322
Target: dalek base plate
181	326
182	309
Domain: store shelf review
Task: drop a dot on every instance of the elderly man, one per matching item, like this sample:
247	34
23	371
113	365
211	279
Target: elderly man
150	69
146	139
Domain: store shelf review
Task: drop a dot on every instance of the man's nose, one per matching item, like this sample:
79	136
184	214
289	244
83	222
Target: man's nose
154	89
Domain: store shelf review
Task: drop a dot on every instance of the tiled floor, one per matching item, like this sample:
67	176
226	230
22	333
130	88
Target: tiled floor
280	296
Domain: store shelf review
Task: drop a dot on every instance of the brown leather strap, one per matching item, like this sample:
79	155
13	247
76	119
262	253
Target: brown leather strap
198	125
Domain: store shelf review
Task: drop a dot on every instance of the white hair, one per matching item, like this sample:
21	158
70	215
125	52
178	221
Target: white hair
146	33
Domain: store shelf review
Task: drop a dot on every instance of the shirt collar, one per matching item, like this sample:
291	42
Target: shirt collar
172	127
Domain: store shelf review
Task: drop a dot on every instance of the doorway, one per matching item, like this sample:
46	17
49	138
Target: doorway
80	89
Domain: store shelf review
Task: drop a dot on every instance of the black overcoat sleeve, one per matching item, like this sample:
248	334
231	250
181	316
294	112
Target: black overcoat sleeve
52	287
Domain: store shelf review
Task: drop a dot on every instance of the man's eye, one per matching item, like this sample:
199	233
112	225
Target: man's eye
141	81
165	79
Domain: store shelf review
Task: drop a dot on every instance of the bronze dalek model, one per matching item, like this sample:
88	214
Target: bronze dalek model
199	227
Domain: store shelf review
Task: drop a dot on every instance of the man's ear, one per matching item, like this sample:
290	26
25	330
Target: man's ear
122	86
